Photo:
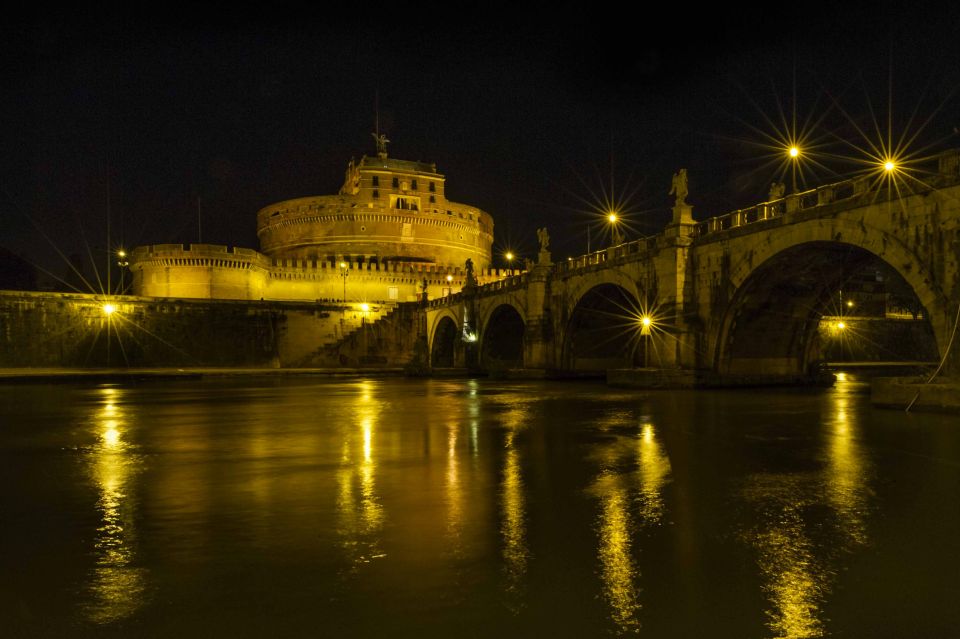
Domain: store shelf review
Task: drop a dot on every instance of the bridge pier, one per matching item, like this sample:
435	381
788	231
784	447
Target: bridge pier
538	347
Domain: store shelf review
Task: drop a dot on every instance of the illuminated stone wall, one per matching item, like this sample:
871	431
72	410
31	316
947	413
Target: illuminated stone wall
204	271
72	330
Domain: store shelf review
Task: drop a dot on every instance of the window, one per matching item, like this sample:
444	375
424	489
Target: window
396	182
413	185
433	199
376	193
376	180
433	187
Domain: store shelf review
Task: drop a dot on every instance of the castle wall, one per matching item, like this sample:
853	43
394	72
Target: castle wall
203	271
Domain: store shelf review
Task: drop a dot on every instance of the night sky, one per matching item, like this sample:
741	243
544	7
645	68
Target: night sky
531	114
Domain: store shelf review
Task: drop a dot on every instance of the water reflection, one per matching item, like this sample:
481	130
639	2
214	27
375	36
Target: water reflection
792	576
799	545
359	510
845	476
513	526
654	471
633	472
616	563
454	492
117	585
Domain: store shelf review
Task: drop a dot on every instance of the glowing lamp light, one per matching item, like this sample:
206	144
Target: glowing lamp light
889	166
841	326
449	278
343	265
849	303
509	256
612	217
364	307
109	309
645	323
794	151
121	253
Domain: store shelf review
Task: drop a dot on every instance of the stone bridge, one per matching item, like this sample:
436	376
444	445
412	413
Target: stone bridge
739	296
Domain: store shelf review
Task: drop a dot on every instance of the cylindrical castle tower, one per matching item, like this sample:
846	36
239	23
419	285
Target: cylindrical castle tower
387	211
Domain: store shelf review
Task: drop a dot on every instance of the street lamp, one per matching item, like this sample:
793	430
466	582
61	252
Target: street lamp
645	333
794	153
123	263
509	257
344	273
615	237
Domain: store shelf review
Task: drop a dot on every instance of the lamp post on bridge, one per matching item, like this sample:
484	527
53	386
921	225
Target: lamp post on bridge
344	273
123	263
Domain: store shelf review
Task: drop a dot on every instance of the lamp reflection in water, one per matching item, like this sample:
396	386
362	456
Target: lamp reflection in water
845	477
798	551
117	585
454	492
514	515
359	510
630	485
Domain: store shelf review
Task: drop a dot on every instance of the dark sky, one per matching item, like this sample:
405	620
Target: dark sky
530	114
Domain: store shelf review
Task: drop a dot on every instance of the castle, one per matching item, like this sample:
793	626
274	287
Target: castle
389	235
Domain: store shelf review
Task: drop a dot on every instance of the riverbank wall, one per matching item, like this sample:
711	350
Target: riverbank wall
42	329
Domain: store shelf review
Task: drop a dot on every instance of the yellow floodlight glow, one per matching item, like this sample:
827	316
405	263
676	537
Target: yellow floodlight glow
343	265
449	278
794	151
889	166
841	326
121	253
849	303
612	217
509	256
645	321
109	309
364	307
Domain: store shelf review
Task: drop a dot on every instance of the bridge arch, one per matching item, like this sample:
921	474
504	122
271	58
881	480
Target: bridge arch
782	287
580	286
502	338
443	341
602	331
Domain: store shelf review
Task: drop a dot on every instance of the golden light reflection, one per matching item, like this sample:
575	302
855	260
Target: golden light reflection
117	586
654	471
454	491
798	556
515	551
792	579
616	563
845	478
359	511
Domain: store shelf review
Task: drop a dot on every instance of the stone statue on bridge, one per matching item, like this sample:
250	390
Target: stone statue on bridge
544	238
678	187
776	191
543	257
471	279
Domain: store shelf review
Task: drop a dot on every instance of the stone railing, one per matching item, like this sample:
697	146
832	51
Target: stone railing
575	264
939	169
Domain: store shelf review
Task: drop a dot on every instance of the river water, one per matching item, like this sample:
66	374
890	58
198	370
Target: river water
306	507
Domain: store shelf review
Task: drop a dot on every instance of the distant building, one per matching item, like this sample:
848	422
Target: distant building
388	231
